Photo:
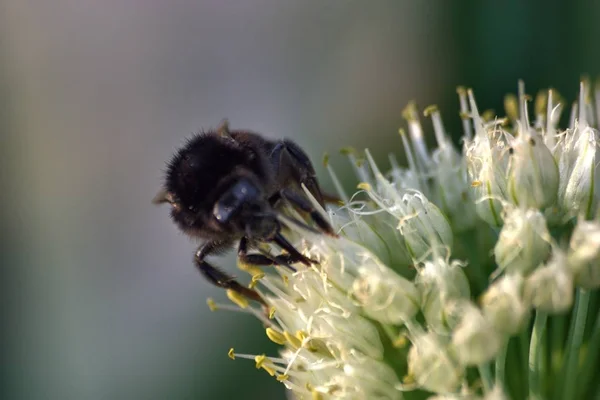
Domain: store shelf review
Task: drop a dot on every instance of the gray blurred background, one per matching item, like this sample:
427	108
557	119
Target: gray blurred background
100	298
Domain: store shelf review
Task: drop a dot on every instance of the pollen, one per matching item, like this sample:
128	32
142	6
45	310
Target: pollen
237	298
283	377
251	269
231	354
476	184
271	312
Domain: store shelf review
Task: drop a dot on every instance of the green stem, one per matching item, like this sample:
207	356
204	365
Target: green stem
524	358
486	377
570	370
535	348
557	342
589	365
501	365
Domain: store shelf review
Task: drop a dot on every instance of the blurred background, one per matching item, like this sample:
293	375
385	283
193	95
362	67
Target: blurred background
100	298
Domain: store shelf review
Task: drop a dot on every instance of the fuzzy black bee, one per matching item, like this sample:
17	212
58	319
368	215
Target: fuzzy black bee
227	187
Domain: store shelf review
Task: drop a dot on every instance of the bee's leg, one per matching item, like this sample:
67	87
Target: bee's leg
218	277
262	259
303	204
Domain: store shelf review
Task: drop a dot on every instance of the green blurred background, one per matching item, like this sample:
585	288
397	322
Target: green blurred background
100	298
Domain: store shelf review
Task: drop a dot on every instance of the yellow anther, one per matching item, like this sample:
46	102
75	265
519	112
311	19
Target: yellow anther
260	360
461	90
292	340
237	298
316	395
476	184
269	370
410	112
255	279
325	159
283	378
408	379
464	115
347	150
400	342
511	106
271	312
317	346
430	110
301	335
231	354
541	102
488	115
286	280
364	186
211	304
275	336
251	269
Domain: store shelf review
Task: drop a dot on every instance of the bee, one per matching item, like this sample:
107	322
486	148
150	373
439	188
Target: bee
226	187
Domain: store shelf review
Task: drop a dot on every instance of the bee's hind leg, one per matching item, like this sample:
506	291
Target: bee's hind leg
219	278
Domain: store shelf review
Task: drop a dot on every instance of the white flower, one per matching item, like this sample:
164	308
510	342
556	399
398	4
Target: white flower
441	282
533	173
550	288
503	304
487	158
474	339
384	295
524	241
584	254
432	366
451	188
577	151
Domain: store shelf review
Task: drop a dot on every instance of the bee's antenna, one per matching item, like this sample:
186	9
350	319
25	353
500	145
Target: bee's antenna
162	197
223	128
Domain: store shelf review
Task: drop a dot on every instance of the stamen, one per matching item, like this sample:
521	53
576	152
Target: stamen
415	131
524	114
464	113
582	122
